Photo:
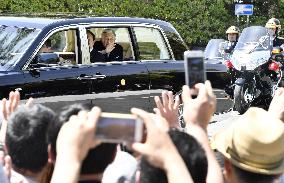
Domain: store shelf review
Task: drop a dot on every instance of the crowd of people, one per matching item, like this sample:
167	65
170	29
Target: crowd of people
37	145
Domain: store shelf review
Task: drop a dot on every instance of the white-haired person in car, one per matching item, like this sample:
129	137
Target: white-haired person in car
107	46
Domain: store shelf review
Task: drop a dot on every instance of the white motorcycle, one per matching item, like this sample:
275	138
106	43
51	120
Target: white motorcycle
255	69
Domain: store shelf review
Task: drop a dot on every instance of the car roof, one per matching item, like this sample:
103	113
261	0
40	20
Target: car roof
40	23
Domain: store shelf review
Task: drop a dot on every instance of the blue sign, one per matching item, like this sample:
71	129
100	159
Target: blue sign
243	9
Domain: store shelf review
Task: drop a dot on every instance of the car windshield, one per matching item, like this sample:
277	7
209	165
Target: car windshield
212	49
13	43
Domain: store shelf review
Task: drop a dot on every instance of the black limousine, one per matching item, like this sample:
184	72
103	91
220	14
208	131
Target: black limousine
151	61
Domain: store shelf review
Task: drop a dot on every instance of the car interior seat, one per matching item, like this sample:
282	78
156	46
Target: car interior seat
127	50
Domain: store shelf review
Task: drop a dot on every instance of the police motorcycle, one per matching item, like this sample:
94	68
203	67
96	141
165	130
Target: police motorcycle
255	69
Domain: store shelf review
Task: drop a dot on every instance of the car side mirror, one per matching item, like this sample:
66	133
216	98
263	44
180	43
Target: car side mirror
47	58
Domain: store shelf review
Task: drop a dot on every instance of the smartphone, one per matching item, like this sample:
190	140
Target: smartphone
119	128
194	67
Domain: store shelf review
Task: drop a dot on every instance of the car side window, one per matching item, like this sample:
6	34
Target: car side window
100	37
151	44
123	39
59	48
177	45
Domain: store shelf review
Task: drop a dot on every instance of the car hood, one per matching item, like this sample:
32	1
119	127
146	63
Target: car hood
213	61
5	73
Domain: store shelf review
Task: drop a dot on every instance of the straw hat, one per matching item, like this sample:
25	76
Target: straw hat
255	142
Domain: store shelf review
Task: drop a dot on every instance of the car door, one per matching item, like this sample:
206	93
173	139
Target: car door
58	84
123	84
165	72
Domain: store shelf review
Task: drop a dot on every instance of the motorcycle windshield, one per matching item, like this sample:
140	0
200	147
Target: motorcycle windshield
212	49
253	48
254	38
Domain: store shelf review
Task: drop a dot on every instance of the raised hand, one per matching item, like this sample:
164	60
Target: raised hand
168	108
197	113
10	106
199	110
160	150
78	134
109	47
74	140
158	142
7	108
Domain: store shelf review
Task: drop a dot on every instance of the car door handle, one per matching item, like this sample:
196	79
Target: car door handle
91	77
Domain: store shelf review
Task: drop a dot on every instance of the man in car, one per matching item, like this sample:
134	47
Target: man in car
107	46
273	27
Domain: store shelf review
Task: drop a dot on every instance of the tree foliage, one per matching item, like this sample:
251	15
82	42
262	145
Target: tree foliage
197	21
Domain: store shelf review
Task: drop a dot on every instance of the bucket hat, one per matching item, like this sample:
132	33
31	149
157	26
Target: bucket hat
254	142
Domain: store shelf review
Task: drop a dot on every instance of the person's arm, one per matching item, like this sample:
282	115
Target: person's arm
214	174
115	52
119	56
74	140
8	107
96	56
176	172
3	177
160	150
197	114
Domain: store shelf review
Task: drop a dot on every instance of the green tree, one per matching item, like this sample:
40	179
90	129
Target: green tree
197	21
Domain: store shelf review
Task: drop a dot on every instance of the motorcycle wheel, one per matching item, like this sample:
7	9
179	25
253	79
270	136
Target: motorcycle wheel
240	104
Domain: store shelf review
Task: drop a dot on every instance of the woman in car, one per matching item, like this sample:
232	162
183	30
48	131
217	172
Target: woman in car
95	56
107	46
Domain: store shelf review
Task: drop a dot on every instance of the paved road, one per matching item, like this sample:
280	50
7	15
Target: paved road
221	121
222	118
223	102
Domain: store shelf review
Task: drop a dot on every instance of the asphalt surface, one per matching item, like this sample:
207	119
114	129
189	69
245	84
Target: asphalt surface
224	115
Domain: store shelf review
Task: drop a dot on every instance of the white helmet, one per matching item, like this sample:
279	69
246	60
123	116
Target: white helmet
233	30
273	23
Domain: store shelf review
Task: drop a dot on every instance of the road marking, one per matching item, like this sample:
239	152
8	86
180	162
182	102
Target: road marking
119	98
